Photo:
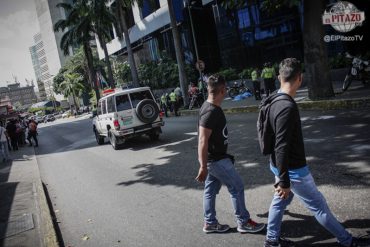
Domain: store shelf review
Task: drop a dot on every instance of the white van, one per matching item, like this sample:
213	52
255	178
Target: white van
127	113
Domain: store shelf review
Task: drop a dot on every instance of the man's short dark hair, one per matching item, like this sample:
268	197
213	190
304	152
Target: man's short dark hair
289	69
215	83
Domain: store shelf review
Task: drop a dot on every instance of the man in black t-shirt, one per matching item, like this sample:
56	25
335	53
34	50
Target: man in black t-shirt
216	166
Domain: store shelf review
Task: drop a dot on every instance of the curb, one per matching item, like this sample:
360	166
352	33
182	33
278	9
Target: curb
48	234
336	104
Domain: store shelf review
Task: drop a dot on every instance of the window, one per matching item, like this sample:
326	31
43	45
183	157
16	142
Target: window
103	107
139	96
110	105
122	102
98	110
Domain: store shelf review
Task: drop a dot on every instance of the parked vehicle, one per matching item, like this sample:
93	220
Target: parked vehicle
127	113
360	70
49	118
196	100
66	114
237	88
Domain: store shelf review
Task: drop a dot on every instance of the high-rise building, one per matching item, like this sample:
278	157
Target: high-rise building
40	66
48	14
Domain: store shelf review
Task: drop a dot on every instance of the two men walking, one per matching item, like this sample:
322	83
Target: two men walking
287	163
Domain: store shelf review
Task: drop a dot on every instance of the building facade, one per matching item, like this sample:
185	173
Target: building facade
241	38
48	14
40	66
19	96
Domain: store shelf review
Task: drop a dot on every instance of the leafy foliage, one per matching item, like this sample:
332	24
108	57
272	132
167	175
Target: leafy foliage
229	74
164	73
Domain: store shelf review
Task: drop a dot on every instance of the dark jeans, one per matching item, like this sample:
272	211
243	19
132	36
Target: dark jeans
164	109
14	142
257	90
174	107
34	136
269	86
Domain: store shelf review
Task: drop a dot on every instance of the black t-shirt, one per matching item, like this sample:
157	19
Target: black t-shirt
212	117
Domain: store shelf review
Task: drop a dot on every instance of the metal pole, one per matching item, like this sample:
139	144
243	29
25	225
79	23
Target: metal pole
193	33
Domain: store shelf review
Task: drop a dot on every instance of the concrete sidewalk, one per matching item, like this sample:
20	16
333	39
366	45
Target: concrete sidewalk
24	213
356	97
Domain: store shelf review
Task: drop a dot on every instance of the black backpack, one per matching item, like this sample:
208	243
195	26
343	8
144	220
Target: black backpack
265	132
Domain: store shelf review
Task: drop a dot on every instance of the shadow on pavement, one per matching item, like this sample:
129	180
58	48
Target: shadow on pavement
337	149
305	225
7	193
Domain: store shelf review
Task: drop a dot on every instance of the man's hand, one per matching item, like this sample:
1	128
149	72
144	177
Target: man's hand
202	174
282	192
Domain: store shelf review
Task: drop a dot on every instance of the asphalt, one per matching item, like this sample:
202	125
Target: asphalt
25	218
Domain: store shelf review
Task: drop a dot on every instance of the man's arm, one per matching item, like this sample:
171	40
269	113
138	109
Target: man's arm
284	123
204	135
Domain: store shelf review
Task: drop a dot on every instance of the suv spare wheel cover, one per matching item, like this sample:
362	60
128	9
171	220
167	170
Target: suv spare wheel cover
147	111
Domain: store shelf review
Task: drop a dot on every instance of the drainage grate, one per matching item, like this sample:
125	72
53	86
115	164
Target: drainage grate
16	225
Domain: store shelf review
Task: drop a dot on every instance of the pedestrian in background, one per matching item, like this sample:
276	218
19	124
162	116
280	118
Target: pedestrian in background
32	133
268	75
256	84
288	163
4	144
11	129
164	103
174	100
216	165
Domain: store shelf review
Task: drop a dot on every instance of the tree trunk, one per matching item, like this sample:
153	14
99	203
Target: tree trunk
178	51
90	65
74	100
315	54
103	45
130	54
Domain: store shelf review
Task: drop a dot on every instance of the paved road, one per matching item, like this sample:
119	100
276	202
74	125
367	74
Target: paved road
145	194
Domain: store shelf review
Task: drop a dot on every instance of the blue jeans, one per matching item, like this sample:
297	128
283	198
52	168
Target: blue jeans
305	189
223	172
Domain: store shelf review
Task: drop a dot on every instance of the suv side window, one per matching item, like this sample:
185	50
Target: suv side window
122	102
103	107
98	109
139	96
110	105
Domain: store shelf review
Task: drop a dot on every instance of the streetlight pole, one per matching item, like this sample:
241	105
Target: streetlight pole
192	31
194	38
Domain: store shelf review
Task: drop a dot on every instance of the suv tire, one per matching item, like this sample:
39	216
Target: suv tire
113	140
98	137
147	111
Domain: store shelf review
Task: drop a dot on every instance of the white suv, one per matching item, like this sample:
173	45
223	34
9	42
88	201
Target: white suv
127	113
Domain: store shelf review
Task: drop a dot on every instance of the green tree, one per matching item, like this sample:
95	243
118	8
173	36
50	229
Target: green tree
72	86
315	53
103	21
77	64
79	28
121	12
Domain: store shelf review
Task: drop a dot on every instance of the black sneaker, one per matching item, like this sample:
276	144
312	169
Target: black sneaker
215	228
357	242
281	243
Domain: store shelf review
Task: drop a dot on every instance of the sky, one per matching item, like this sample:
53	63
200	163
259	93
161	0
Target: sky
18	24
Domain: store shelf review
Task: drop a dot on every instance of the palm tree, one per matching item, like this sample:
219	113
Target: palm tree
103	21
72	86
78	24
178	51
121	9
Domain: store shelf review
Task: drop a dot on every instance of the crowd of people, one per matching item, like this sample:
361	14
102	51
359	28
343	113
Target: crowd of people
16	133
